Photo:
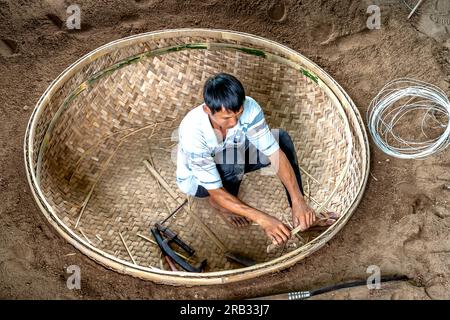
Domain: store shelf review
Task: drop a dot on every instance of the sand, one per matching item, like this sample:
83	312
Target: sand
402	223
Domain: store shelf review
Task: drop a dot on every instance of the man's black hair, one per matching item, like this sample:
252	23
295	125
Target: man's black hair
224	90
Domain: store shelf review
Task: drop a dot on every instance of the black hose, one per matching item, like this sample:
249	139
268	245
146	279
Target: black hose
354	284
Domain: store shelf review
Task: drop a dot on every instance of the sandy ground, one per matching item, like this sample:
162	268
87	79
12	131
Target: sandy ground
401	225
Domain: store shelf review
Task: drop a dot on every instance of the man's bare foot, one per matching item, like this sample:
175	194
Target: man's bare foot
233	220
327	219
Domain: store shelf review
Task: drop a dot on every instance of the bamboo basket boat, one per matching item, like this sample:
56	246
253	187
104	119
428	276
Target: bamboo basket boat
110	118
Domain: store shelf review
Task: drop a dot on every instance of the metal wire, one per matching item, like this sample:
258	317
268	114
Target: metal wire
399	98
407	5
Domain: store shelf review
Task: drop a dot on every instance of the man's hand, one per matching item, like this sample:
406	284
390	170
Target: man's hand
303	216
277	231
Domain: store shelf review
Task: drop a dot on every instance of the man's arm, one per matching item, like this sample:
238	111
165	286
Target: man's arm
274	228
301	214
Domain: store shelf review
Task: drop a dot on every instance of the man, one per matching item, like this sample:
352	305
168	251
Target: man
226	137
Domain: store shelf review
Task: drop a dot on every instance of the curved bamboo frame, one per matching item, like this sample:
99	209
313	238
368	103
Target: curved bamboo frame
329	85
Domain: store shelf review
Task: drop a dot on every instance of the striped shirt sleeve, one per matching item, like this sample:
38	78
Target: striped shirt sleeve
258	132
199	159
204	169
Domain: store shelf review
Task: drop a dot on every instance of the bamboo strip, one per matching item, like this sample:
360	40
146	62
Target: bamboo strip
84	235
126	247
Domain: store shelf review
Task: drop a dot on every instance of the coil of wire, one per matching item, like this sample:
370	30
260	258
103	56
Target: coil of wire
393	103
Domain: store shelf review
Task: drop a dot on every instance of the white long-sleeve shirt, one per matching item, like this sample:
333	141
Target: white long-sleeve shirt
198	145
